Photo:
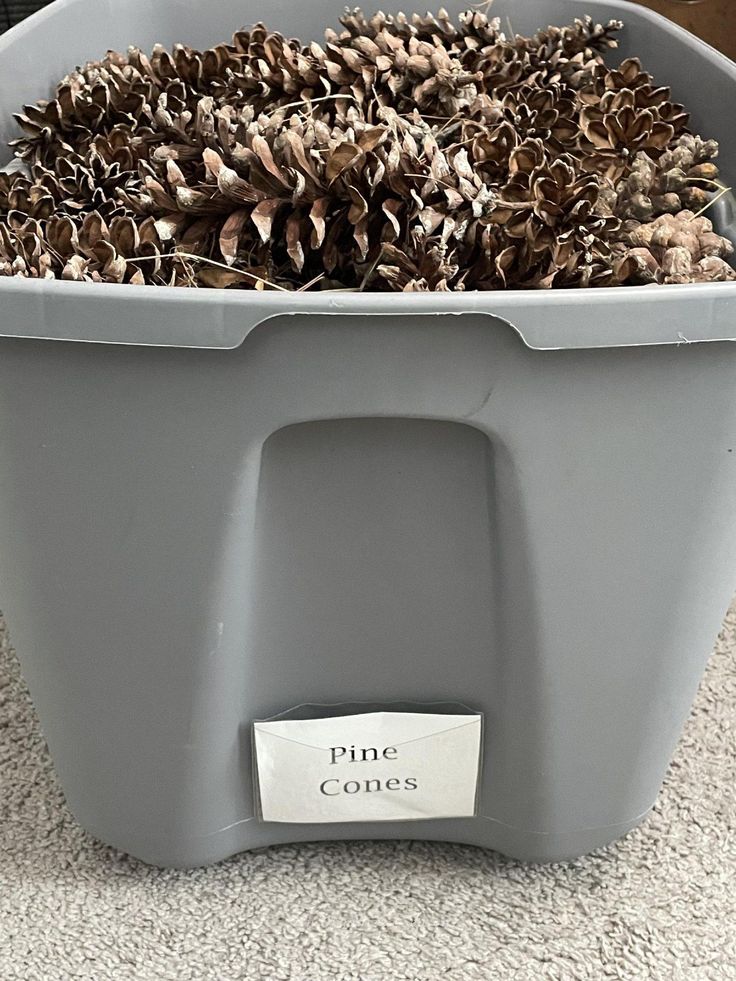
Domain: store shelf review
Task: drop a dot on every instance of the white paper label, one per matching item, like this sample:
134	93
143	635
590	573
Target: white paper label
379	766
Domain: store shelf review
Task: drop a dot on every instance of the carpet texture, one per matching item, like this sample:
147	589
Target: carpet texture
661	904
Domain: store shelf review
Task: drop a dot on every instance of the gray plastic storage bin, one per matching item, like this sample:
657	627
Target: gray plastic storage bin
217	506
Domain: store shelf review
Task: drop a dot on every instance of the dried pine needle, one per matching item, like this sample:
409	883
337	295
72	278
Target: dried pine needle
208	262
712	201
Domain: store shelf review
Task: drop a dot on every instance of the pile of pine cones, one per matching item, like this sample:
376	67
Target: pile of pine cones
402	154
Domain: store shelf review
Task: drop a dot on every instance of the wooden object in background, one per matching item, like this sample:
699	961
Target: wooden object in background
713	20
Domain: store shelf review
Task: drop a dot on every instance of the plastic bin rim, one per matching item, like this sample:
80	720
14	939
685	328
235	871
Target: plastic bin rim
160	316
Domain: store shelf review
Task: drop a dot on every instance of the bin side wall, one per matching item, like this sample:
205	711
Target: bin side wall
159	604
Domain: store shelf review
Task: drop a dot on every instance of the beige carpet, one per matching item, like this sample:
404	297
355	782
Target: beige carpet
659	905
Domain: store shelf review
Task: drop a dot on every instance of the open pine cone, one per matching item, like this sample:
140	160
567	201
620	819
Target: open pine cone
404	153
